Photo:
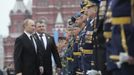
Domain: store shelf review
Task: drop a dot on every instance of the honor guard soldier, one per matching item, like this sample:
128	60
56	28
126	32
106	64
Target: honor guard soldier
99	40
96	30
112	67
123	34
86	37
81	24
76	53
69	56
69	51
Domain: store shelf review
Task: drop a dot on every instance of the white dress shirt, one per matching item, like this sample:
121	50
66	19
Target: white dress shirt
44	39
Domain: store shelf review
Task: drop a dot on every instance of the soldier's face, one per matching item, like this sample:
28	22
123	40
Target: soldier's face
76	31
84	17
79	21
68	34
30	26
85	10
40	27
91	11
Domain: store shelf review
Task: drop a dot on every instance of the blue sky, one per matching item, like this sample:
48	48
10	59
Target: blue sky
5	7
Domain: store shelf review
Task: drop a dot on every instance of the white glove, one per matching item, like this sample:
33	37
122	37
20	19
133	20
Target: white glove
118	64
99	72
93	72
123	57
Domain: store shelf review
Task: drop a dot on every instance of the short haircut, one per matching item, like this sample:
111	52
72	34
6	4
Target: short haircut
40	21
26	22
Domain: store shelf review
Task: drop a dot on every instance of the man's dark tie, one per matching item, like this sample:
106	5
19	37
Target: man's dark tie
41	39
32	41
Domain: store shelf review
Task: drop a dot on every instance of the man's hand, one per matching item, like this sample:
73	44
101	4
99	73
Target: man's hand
131	60
19	74
41	69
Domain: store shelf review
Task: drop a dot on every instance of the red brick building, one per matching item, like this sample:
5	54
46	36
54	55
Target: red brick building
54	12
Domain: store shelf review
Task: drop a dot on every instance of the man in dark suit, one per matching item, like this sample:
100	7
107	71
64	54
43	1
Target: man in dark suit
47	48
25	51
